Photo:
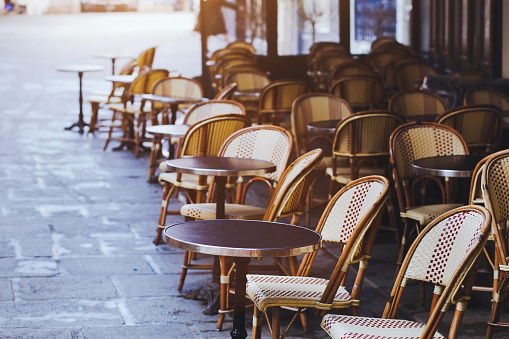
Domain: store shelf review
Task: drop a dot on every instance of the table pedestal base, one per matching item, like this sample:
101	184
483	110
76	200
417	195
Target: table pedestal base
239	314
80	124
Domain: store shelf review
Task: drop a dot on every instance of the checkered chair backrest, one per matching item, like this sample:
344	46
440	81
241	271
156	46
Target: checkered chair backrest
445	245
208	109
349	207
291	191
417	102
262	142
315	107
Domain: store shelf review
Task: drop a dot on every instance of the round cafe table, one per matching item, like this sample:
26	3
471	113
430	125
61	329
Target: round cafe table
327	127
242	240
159	132
113	57
80	69
221	168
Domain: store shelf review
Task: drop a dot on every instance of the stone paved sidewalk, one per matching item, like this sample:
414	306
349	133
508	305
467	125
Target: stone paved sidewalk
77	223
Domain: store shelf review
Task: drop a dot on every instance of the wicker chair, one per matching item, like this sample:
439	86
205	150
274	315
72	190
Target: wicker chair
146	59
434	257
494	186
414	141
250	82
417	102
407	75
486	96
472	76
264	142
479	125
243	45
226	92
276	99
324	61
177	87
340	223
133	112
361	91
202	139
348	69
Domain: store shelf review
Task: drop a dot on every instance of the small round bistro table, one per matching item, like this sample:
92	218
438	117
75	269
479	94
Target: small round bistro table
159	132
242	240
221	168
323	126
80	69
174	103
450	166
113	57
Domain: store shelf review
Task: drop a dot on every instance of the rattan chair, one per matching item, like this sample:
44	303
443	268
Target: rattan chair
202	139
226	92
176	87
472	76
361	91
486	96
251	82
348	69
417	102
480	126
146	59
276	100
240	44
494	185
324	61
414	141
350	216
445	254
409	74
132	111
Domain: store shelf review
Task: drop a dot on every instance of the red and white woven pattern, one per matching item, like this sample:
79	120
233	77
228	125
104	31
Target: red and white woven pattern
349	327
425	214
273	290
443	248
350	208
263	144
498	179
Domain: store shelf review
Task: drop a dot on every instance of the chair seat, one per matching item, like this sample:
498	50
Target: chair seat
207	211
424	214
343	173
344	326
270	290
188	181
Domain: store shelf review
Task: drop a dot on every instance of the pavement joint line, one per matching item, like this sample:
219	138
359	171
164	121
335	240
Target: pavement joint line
155	267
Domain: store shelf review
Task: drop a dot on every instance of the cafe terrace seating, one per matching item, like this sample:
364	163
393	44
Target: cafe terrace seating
417	103
323	62
349	68
414	141
132	111
315	107
494	186
249	86
409	74
202	139
276	100
362	92
486	96
352	214
480	126
445	254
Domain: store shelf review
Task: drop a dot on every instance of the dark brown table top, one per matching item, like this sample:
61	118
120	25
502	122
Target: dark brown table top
324	126
242	238
221	166
461	166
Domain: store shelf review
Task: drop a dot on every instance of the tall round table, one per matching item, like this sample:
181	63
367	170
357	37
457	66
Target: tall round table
80	69
242	240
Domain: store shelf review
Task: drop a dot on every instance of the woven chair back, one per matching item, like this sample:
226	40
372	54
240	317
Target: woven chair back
247	80
361	91
486	96
417	102
205	137
226	93
143	83
348	69
479	125
145	59
207	109
314	107
407	75
177	87
278	96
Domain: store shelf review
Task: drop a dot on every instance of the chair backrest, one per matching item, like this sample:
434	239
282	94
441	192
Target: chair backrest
486	96
144	82
224	63
263	142
239	44
205	137
290	194
407	75
350	68
445	254
325	60
415	141
314	107
361	91
177	87
278	96
417	102
396	60
247	80
129	67
347	218
472	76
207	109
496	198
479	125
146	58
378	60
226	92
475	196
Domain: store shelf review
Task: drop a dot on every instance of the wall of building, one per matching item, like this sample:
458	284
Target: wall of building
505	40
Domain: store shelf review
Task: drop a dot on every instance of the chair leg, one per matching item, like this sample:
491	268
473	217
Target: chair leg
183	273
225	265
167	192
276	312
110	132
304	321
257	323
93	117
404	239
